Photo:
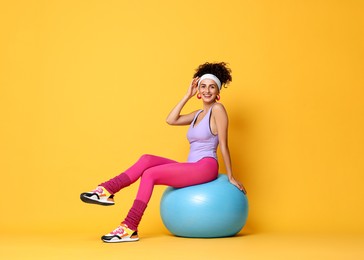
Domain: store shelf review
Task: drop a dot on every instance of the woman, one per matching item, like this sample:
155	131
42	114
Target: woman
208	128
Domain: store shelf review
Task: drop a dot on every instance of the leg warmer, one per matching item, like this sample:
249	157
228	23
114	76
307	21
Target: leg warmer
135	214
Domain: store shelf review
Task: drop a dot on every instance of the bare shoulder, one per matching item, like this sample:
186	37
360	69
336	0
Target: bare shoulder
193	113
188	118
219	109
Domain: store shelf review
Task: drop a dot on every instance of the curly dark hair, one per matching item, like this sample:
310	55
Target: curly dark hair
220	70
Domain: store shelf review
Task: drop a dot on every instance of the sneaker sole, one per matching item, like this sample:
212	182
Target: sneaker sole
89	200
126	239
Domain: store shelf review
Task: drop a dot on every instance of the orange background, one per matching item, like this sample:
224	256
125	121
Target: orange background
85	87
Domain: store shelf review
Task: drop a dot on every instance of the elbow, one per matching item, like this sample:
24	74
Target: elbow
169	121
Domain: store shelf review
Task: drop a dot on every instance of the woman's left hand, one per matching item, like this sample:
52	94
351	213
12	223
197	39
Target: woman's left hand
237	184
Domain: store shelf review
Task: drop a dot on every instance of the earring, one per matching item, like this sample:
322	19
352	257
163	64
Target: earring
218	97
199	96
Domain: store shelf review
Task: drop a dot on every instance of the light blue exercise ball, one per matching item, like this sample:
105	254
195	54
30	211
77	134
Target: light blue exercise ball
213	209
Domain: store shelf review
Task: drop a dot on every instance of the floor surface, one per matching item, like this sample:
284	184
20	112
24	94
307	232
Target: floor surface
165	246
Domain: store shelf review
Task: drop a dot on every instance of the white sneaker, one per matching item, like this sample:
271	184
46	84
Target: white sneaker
97	196
121	234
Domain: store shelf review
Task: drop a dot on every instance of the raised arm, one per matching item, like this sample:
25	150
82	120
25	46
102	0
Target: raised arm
222	122
175	117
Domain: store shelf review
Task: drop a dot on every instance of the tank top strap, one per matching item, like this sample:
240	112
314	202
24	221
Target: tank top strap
195	118
210	110
208	115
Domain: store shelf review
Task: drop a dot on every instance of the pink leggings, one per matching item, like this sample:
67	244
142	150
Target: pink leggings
154	170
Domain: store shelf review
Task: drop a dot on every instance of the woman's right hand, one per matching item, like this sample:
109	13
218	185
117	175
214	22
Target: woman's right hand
192	89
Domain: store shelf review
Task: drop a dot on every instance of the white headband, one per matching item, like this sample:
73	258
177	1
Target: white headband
210	76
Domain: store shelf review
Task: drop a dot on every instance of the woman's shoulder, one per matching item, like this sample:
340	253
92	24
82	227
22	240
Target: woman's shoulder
195	113
219	111
218	108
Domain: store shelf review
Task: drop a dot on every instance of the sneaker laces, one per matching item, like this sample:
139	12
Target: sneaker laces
118	231
98	191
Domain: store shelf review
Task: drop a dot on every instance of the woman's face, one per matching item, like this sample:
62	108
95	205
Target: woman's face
208	90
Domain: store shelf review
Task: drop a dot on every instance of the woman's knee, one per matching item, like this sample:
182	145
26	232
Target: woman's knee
148	176
146	158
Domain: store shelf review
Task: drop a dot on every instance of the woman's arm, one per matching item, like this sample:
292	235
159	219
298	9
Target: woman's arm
175	117
222	122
